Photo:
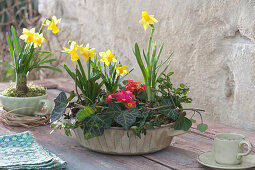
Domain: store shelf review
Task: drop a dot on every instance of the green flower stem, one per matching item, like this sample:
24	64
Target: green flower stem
149	45
148	83
42	26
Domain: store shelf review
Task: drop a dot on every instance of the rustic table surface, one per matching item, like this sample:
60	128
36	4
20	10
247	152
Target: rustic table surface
181	154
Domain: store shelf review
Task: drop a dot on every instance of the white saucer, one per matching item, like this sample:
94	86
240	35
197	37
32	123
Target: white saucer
207	159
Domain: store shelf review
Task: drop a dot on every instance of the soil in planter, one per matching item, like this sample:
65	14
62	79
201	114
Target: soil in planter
33	91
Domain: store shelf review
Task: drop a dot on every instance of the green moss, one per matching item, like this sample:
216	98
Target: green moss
34	90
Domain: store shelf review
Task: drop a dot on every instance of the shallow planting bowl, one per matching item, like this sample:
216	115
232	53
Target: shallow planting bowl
123	142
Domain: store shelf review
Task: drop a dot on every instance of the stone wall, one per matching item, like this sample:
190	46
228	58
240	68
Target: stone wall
212	41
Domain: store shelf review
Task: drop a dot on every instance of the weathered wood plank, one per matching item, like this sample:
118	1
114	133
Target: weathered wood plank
77	156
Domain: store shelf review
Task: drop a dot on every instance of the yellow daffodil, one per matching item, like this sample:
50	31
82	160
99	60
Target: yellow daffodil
73	51
147	20
52	25
121	70
28	35
87	52
107	57
38	39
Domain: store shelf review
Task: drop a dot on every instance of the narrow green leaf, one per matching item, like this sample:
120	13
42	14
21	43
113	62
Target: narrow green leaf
6	64
50	67
140	62
11	49
16	39
81	68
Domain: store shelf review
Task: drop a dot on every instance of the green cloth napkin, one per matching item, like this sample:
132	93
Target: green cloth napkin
21	151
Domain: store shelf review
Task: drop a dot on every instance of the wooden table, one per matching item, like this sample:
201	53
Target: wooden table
182	153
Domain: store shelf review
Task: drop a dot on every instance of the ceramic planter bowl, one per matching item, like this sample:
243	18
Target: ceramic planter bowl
116	141
26	105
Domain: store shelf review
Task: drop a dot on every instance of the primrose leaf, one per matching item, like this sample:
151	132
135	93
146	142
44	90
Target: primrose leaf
127	117
60	107
182	123
82	114
168	111
202	127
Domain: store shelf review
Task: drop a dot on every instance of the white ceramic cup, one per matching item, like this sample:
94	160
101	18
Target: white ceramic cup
228	148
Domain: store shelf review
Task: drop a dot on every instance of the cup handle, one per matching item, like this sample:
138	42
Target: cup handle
239	155
49	107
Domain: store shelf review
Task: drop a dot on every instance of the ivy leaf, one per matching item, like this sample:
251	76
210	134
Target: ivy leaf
183	123
170	73
60	107
202	127
168	111
82	114
144	113
71	96
114	109
192	120
127	117
95	124
93	131
166	102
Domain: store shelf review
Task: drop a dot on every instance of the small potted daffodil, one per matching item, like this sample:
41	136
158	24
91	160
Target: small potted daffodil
24	98
117	116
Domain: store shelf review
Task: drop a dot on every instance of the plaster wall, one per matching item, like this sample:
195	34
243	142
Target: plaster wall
212	40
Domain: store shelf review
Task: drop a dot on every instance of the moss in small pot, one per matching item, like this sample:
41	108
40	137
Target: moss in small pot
33	91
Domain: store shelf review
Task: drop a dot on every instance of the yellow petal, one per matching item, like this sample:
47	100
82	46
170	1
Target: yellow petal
23	37
87	46
114	60
102	54
141	21
145	26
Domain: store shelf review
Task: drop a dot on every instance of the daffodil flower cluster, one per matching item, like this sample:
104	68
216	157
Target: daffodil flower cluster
25	57
37	38
30	36
86	52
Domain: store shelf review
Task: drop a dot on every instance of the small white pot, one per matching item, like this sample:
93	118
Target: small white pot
123	142
26	105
